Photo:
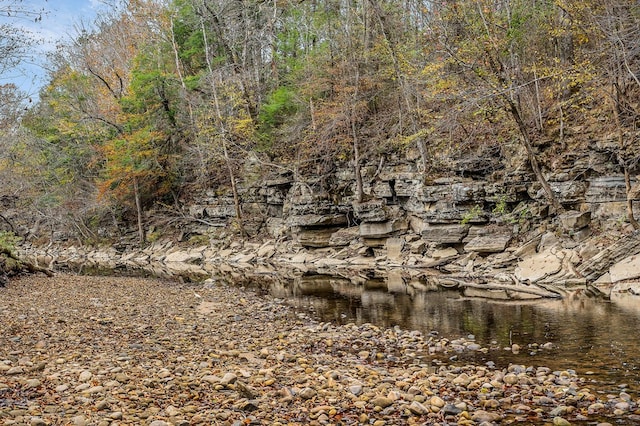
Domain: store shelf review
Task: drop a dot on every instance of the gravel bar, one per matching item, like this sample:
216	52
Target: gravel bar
78	350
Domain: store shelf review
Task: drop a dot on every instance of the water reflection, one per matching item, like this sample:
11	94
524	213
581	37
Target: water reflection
590	334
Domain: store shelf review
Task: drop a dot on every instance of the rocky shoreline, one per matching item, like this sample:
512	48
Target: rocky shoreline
545	267
122	351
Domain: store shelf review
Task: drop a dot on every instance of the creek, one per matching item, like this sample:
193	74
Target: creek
595	336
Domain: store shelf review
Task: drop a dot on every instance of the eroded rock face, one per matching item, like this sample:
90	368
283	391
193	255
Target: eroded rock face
316	220
383	229
492	222
445	234
317	238
606	189
371	211
574	220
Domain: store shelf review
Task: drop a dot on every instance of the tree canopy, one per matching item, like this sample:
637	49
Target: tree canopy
161	98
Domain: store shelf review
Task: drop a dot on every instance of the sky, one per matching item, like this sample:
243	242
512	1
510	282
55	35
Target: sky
58	23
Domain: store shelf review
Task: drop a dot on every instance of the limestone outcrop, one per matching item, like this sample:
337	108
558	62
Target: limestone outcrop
490	228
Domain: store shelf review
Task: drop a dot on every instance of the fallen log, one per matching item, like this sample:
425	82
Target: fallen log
508	288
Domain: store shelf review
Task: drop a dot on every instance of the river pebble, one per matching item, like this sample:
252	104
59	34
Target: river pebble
124	351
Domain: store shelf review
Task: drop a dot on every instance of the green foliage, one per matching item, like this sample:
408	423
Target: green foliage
189	37
279	105
153	95
518	215
501	207
471	215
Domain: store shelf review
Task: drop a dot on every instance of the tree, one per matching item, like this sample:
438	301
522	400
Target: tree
487	48
16	44
15	39
616	53
133	170
107	121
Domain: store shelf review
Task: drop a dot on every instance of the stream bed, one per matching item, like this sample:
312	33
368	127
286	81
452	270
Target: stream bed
595	336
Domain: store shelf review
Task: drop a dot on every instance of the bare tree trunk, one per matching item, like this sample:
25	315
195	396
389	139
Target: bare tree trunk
627	182
8	222
531	155
621	147
23	264
176	58
234	188
356	160
356	141
353	113
424	156
136	192
225	151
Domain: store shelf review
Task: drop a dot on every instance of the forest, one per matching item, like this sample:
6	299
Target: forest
160	100
383	212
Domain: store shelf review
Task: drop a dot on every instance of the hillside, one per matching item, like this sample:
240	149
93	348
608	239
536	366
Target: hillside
323	123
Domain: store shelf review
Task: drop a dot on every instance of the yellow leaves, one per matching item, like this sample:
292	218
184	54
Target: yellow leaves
432	68
134	155
407	140
243	127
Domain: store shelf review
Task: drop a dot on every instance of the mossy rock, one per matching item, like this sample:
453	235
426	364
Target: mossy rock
9	265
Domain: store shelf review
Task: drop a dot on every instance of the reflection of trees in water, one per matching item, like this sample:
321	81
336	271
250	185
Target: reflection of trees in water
590	333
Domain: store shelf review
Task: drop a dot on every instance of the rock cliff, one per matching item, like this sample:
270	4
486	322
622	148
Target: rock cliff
479	229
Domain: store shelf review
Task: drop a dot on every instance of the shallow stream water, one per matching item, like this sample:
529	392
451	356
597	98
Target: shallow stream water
596	336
